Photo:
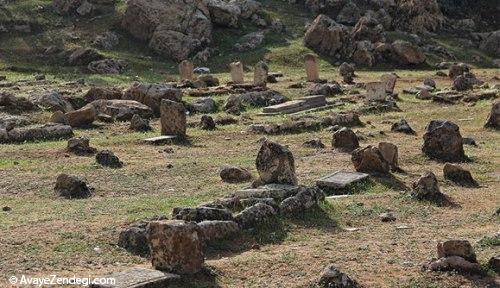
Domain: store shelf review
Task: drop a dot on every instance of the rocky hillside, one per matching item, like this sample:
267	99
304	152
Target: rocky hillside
123	37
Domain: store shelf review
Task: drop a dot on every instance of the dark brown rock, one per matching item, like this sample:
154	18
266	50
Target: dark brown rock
370	160
108	158
71	187
345	140
80	146
459	175
275	164
442	141
233	174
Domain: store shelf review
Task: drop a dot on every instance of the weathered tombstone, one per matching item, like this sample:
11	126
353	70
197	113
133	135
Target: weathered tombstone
173	118
375	91
260	74
427	188
345	140
175	246
347	72
390	153
442	141
311	68
186	70
237	74
370	160
390	82
340	180
275	164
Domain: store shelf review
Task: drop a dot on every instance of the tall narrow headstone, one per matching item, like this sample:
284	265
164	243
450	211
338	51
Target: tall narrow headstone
186	70
260	74
390	82
237	75
375	91
311	68
173	118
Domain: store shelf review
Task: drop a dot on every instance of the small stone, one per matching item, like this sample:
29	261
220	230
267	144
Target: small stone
331	277
139	124
314	143
459	175
233	174
387	217
80	146
207	123
461	248
199	214
6	209
427	188
493	120
403	127
71	187
108	158
494	264
345	140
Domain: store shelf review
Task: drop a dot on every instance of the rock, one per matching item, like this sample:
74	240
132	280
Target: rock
349	14
459	175
423	94
50	131
173	118
453	263
52	101
275	164
203	105
108	158
418	16
390	80
82	117
139	124
208	80
324	89
456	70
430	82
258	21
407	53
493	120
133	238
152	94
107	40
370	160
199	214
80	146
234	174
491	43
15	104
314	143
347	72
442	141
247	202
107	66
340	180
390	153
387	217
402	127
237	73
464	82
122	110
96	93
71	187
216	229
325	36
345	140
225	120
207	123
305	199
223	13
494	264
347	119
260	74
426	188
461	248
176	246
139	277
278	26
236	103
331	277
311	67
83	56
254	215
248	7
173	28
368	28
9	122
469	141
230	203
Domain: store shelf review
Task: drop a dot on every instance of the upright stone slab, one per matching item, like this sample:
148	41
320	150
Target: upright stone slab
175	246
390	82
311	68
186	70
237	74
375	91
173	118
443	141
275	164
260	74
139	277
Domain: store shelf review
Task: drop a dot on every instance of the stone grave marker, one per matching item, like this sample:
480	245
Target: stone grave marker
341	179
173	118
375	91
186	70
312	70
237	74
260	74
390	82
139	277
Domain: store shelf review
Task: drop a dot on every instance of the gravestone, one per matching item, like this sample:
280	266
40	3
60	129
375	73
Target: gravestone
340	179
173	118
186	70
311	68
390	82
275	164
139	277
160	140
260	74
237	74
375	91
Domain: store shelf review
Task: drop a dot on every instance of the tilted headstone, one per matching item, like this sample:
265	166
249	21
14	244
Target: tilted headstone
260	74
186	70
375	91
390	82
237	74
311	68
173	118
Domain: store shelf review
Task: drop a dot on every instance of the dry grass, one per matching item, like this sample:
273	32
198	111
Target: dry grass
44	234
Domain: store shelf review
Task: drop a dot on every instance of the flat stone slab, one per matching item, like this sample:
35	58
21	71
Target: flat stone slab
139	278
160	139
335	197
298	105
275	191
341	179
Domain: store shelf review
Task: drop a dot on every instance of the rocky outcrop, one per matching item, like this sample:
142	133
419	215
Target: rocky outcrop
326	36
223	13
173	28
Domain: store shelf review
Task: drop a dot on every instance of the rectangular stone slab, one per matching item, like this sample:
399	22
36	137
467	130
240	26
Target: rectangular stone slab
140	278
160	139
341	179
284	106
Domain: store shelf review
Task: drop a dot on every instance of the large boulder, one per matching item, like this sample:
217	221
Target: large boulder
491	43
418	16
223	13
406	53
370	160
493	120
368	28
152	94
349	14
173	28
325	36
442	141
275	164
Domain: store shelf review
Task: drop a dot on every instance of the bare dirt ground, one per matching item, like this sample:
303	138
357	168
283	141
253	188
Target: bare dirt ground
44	234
